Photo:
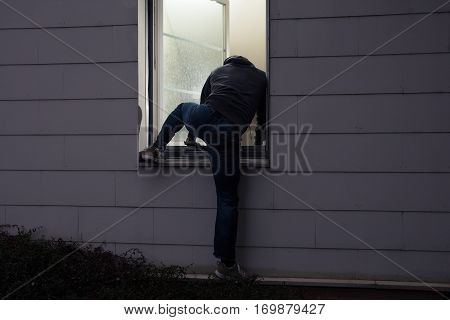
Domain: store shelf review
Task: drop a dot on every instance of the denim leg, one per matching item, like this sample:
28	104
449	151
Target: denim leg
226	171
224	149
174	123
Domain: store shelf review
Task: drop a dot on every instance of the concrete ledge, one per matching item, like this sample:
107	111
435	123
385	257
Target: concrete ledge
344	283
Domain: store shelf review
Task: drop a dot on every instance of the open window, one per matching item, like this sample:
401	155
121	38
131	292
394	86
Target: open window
180	43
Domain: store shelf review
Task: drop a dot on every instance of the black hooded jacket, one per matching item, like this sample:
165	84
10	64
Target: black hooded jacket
237	90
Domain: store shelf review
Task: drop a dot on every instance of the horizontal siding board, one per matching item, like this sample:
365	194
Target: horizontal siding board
69	45
255	192
430	35
19	46
282	9
57	188
409	266
301	262
111	81
31	153
51	222
322	37
266	228
178	226
66	13
78	188
309	229
426	152
196	191
101	152
31	82
256	227
80	81
426	231
361	153
173	189
371	113
359	230
18	117
376	74
99	44
359	36
284	38
102	224
2	215
20	187
68	153
68	117
363	191
204	190
283	114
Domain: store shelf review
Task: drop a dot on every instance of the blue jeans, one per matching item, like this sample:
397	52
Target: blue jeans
223	145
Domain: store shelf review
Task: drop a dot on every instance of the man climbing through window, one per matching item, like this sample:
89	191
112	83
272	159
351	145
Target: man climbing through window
230	98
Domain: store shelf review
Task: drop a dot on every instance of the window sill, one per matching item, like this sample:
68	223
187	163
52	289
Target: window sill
251	157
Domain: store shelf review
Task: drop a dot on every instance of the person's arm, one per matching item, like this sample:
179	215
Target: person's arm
206	91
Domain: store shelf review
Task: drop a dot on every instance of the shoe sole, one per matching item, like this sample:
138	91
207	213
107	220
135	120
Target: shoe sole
150	158
219	275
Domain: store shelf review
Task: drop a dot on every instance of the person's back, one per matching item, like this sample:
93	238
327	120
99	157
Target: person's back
237	90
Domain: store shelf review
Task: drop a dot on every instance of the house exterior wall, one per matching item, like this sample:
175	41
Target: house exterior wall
378	149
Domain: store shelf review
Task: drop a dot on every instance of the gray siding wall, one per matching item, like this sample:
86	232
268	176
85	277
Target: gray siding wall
378	150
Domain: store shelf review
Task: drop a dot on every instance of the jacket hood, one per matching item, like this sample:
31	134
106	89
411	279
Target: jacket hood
239	60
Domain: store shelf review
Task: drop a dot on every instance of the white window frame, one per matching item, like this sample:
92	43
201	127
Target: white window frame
145	59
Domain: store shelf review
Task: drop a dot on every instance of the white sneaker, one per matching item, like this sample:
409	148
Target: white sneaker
151	154
235	272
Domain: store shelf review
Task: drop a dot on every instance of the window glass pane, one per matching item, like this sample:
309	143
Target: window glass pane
193	46
186	65
196	20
